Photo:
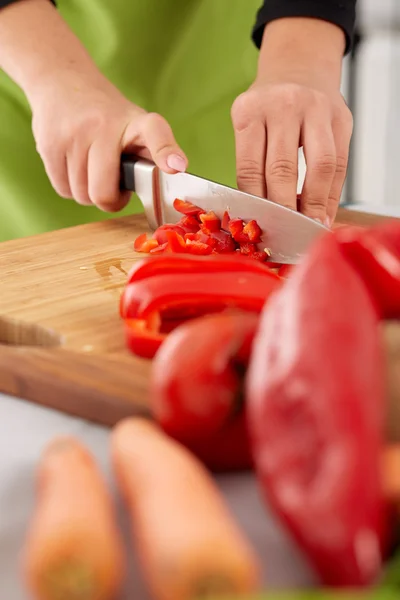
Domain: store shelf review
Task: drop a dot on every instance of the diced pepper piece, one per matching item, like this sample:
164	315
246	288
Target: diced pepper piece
187	208
253	231
198	248
247	248
176	243
189	224
225	221
210	222
143	244
160	249
222	242
236	230
160	233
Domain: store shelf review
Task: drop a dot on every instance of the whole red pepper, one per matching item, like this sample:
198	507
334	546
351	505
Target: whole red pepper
375	254
315	405
197	387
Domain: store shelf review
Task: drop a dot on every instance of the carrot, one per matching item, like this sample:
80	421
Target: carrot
391	473
187	542
72	549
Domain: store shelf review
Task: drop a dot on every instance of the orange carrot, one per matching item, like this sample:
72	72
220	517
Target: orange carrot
391	473
187	542
73	549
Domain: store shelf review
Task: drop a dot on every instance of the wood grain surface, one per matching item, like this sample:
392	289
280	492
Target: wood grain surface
61	338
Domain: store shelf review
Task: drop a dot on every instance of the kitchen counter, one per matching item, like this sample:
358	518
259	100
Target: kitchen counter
24	430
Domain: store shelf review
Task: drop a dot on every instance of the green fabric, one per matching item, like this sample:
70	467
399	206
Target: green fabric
186	59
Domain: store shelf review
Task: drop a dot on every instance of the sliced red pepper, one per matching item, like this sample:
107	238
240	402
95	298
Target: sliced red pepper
225	222
189	224
236	230
198	248
142	339
176	243
160	233
210	222
160	249
196	388
248	249
375	255
316	410
142	244
187	208
208	291
222	242
173	264
253	231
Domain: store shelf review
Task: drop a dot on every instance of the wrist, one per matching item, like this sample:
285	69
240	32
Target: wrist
37	47
297	49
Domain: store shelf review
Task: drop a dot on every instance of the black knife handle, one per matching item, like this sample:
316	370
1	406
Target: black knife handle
127	175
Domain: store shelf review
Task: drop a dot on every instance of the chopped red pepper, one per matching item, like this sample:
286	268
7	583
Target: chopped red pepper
222	242
210	292
315	408
160	249
160	233
176	243
253	231
182	264
189	224
285	270
210	222
236	230
198	248
142	244
196	388
142	339
225	221
187	208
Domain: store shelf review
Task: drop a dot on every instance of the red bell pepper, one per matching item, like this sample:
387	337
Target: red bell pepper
161	233
143	244
187	208
315	405
210	292
375	255
142	339
172	264
210	222
197	387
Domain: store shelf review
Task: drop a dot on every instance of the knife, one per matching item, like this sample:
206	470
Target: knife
287	234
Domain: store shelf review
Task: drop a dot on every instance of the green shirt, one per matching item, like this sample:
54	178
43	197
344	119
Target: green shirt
186	59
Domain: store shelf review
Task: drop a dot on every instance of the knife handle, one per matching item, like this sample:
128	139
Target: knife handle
127	172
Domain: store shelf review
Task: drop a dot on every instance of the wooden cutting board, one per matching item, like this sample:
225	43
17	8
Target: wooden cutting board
61	338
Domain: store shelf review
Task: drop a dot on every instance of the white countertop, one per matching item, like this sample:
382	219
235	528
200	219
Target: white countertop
26	428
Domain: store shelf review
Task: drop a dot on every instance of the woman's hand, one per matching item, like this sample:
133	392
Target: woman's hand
295	101
81	122
81	128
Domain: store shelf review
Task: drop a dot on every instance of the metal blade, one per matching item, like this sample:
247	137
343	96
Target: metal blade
287	233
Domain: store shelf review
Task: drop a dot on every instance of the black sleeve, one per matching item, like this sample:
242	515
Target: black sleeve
340	12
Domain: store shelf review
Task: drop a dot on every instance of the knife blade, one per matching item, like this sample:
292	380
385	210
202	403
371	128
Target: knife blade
287	234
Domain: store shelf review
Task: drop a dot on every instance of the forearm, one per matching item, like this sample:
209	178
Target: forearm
296	47
36	43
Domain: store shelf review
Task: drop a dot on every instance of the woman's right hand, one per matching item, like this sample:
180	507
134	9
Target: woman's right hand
83	124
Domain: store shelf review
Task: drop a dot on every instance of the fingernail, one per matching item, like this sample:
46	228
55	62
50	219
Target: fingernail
328	222
174	161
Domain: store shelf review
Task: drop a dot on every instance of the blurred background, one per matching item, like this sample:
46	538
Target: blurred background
371	86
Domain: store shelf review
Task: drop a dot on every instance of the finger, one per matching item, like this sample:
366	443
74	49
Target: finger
55	164
320	154
282	160
77	164
342	135
157	136
104	160
250	146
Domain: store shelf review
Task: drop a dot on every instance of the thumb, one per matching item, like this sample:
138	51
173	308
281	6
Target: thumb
156	136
